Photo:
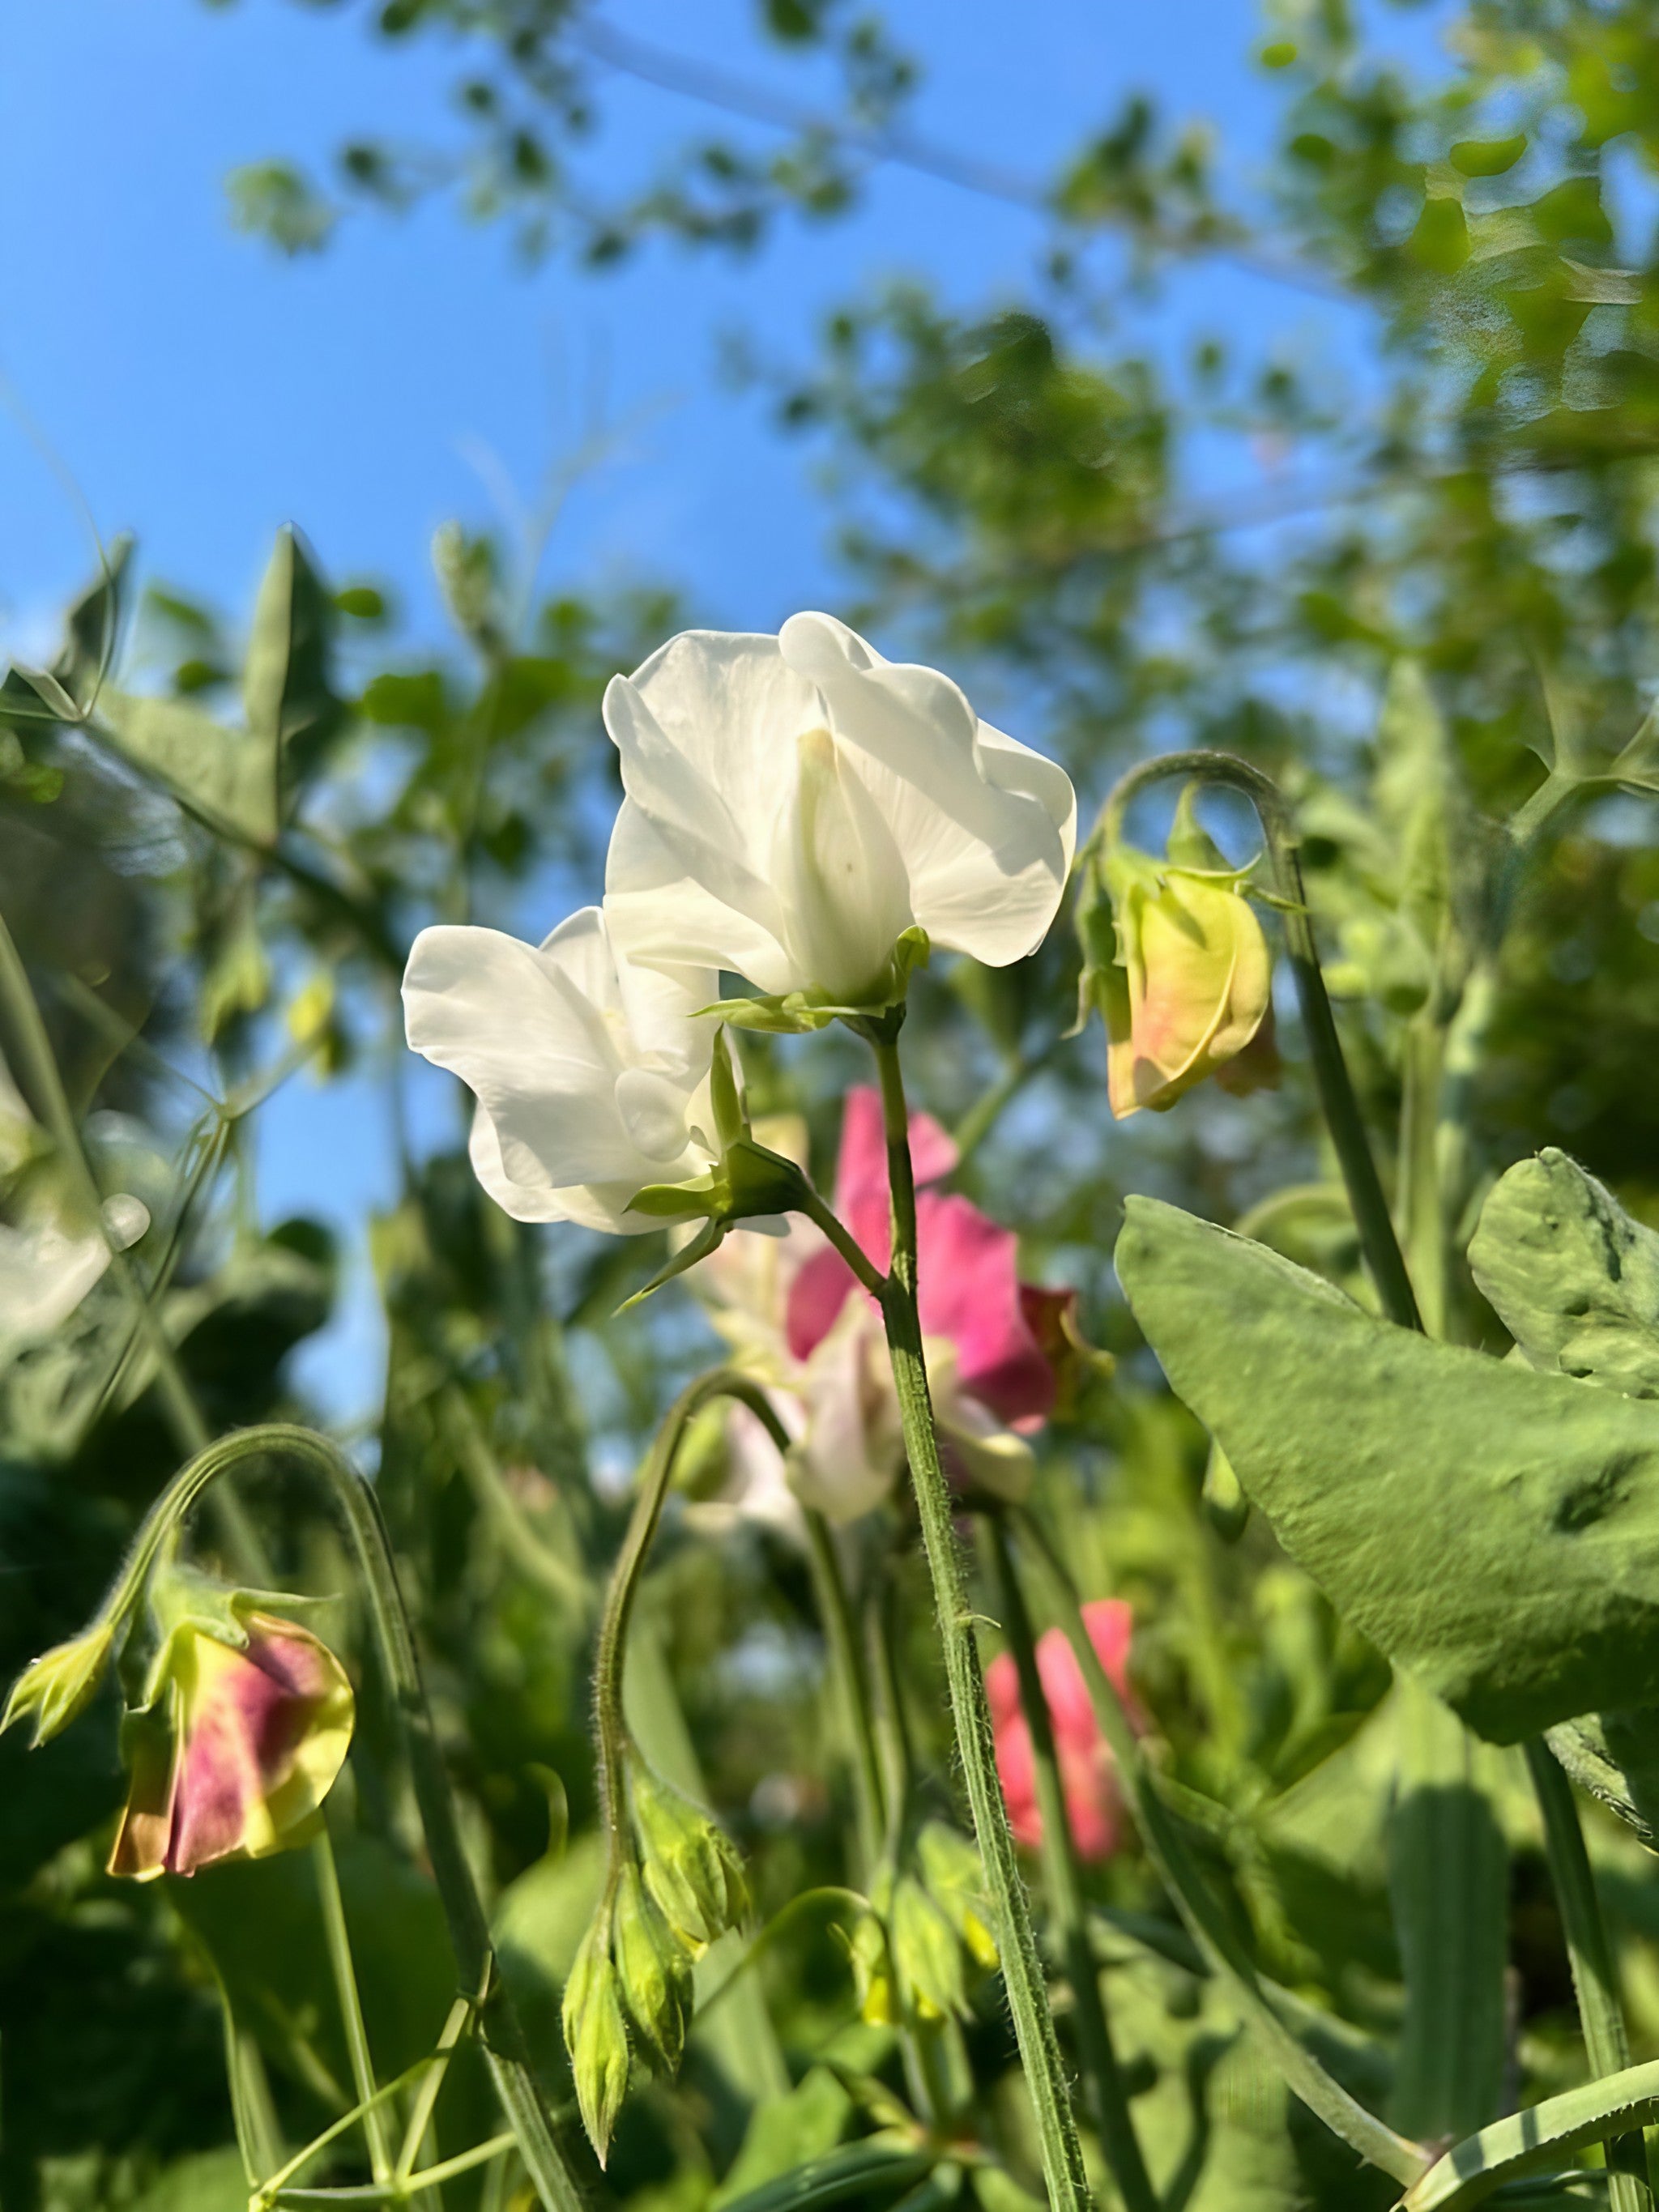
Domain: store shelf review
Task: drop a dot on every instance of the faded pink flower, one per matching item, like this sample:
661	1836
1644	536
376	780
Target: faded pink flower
797	1318
967	1276
235	1752
1086	1770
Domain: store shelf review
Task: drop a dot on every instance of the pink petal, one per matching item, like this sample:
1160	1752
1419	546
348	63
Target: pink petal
1017	1772
1002	1688
861	1189
969	1291
816	1298
1091	1803
246	1714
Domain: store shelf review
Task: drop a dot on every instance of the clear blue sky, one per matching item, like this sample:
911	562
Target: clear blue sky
200	390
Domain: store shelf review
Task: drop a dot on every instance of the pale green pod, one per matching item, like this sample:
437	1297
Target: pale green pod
654	1970
595	2035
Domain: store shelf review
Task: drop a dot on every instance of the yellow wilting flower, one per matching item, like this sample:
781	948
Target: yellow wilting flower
1188	984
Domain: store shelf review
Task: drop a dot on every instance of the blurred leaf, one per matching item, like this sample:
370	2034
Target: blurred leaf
226	777
288	697
1448	1876
786	2133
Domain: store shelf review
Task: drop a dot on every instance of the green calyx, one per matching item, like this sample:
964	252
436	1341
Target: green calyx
791	1013
691	1869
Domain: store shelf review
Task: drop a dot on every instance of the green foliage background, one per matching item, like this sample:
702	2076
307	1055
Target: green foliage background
220	830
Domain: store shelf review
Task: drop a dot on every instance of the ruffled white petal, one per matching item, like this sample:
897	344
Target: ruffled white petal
986	826
590	1079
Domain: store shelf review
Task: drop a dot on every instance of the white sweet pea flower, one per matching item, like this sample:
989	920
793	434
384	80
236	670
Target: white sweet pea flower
592	1081
795	803
47	1266
46	1269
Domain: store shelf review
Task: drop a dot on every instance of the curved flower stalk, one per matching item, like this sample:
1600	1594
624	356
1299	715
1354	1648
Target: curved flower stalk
797	806
592	1080
245	1727
1087	1771
1000	1351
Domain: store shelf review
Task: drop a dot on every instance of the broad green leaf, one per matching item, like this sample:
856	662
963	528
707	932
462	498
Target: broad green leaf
287	697
1541	2137
1448	1879
225	777
1495	1530
1572	1277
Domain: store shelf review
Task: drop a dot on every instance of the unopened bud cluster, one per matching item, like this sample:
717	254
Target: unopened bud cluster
911	1953
659	1912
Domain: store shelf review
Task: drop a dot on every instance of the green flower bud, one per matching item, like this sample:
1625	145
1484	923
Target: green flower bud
872	1975
691	1869
595	2036
54	1688
927	1956
955	1878
655	1971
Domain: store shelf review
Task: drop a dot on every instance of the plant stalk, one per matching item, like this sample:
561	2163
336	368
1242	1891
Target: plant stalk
1595	1978
1062	1878
1028	1996
339	1940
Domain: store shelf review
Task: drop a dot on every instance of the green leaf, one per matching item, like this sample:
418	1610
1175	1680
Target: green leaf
1448	1880
224	777
786	2133
1537	2138
1613	1756
1572	1277
286	694
1487	157
91	629
1493	1530
861	2170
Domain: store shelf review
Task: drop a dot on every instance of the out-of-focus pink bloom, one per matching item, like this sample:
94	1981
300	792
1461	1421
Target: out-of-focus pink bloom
1086	1771
236	1751
797	1318
967	1278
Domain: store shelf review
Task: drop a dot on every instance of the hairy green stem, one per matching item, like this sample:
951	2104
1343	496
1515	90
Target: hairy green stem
1206	1921
1028	1996
1595	1978
1062	1877
1337	1100
339	1940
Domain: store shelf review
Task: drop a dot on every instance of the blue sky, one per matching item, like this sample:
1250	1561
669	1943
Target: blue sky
200	391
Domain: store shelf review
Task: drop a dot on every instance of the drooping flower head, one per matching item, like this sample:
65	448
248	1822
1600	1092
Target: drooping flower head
591	1078
1087	1775
1175	960
236	1748
796	803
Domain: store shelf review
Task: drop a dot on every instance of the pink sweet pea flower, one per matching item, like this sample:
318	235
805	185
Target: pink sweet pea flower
1086	1771
967	1276
236	1750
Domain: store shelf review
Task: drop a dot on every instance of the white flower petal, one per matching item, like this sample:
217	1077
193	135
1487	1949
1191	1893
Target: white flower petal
986	826
45	1273
589	1079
